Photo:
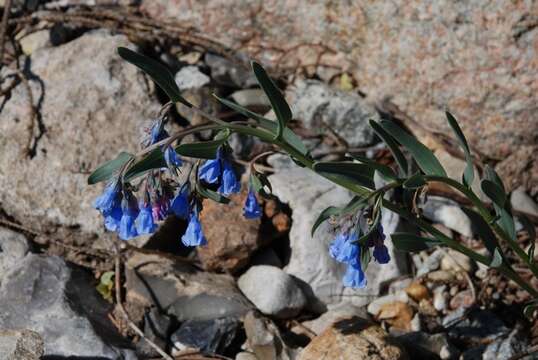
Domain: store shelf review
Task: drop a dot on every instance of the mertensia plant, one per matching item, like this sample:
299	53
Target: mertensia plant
170	176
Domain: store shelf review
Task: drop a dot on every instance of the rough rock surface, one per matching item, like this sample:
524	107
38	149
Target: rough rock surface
272	291
476	58
231	239
20	345
353	338
45	295
318	106
181	290
13	247
78	127
307	195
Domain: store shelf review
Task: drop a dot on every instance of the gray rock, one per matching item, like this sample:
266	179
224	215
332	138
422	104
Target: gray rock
252	98
427	346
182	291
272	291
506	347
280	162
13	247
307	195
80	126
456	262
265	340
432	263
208	336
317	104
243	355
476	327
227	73
58	302
36	40
20	345
520	201
157	328
448	213
190	77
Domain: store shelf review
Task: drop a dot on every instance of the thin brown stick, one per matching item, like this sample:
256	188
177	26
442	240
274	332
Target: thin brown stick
131	324
3	29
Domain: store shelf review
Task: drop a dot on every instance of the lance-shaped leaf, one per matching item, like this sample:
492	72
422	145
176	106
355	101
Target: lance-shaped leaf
422	155
201	150
288	135
324	215
157	71
278	103
468	173
481	227
528	226
210	194
108	169
392	145
493	187
412	243
361	174
414	182
259	183
384	170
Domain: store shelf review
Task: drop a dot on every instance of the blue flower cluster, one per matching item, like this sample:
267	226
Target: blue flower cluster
127	216
346	249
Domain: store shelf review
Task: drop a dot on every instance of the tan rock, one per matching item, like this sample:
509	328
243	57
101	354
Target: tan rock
353	339
398	314
231	239
417	291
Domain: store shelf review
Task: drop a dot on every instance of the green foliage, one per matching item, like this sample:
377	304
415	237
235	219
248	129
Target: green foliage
106	284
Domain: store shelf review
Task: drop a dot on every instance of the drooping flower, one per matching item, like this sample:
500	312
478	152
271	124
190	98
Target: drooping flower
376	240
381	254
180	203
252	209
108	199
127	228
210	171
343	249
171	157
144	223
229	183
194	235
354	276
113	217
160	208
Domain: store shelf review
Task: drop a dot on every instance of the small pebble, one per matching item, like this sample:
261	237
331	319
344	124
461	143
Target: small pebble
441	276
440	298
375	306
417	291
455	261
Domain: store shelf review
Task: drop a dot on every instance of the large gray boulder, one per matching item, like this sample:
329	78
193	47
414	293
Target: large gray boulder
91	105
57	301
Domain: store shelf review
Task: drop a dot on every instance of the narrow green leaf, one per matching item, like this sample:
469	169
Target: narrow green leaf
494	192
289	136
108	169
324	215
414	182
486	234
392	145
366	256
259	183
278	103
412	243
210	194
528	226
157	71
361	174
384	170
468	173
422	155
154	160
491	175
201	150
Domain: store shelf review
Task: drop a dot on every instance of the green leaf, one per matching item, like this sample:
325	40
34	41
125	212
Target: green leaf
412	243
468	173
154	160
324	215
528	226
157	71
491	175
288	136
482	228
392	145
366	256
494	192
384	170
259	182
203	150
422	155
414	182
278	103
210	194
360	174
108	169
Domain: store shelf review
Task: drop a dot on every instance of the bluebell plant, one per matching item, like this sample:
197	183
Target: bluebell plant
171	187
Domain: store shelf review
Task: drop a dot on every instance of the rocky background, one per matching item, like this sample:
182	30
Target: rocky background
262	289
